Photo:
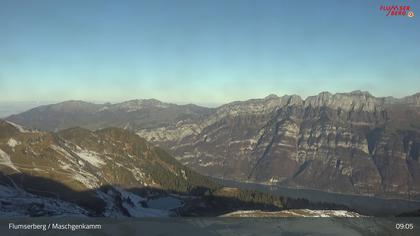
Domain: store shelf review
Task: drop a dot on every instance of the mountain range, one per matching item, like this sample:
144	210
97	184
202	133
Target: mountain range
114	173
345	142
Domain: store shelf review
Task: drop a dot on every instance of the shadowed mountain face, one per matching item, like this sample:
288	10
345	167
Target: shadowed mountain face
347	142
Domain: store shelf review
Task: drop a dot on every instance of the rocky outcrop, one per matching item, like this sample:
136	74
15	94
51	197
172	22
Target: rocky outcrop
345	142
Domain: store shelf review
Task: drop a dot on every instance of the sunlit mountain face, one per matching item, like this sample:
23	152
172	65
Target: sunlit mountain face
346	142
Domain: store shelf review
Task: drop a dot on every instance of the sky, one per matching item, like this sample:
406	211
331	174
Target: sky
204	52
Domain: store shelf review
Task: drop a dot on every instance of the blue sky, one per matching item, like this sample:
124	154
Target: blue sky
205	52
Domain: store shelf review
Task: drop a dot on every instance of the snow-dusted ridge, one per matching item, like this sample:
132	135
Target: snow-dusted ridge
19	127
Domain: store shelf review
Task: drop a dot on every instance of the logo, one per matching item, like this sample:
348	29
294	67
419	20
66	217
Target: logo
397	10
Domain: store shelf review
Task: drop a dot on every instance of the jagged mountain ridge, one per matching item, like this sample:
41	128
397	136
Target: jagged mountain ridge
345	142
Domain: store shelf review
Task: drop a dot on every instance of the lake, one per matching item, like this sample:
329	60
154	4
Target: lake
366	205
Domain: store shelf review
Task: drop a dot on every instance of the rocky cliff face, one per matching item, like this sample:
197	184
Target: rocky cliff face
348	142
345	142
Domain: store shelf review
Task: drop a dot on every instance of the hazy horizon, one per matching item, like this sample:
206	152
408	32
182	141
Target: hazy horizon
14	107
201	103
203	52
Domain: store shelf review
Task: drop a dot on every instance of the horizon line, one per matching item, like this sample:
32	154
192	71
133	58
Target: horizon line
210	104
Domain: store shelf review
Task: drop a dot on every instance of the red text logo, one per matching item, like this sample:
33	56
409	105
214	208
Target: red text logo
397	10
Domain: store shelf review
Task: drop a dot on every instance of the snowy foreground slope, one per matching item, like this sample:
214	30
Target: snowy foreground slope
294	213
17	203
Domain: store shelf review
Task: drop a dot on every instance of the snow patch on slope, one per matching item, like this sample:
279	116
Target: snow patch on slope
87	179
132	203
76	168
294	213
92	157
13	143
5	160
62	151
19	127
